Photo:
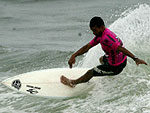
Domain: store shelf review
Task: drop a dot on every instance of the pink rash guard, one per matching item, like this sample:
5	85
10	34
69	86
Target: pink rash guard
109	43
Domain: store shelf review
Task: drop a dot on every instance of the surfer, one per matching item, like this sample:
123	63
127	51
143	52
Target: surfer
114	60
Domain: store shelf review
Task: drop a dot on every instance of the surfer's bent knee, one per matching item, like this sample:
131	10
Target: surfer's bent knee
101	60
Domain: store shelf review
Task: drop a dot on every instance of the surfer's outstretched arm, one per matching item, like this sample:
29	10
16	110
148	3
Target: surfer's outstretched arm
128	53
81	51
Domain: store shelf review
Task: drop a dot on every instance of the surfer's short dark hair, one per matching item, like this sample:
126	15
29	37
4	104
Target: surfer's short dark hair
96	21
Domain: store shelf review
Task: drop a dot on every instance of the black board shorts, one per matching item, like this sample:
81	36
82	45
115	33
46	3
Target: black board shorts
108	70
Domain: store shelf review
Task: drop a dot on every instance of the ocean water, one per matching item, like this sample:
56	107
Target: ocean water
43	34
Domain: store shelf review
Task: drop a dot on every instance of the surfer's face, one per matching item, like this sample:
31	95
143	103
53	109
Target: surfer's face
97	31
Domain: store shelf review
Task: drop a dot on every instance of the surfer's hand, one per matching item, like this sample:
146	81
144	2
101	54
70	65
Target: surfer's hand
139	61
71	61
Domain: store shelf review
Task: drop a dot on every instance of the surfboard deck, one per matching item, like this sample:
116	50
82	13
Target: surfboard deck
46	83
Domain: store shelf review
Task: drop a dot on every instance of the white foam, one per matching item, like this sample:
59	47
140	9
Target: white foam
134	27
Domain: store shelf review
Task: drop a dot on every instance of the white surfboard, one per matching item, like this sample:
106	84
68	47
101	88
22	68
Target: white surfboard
46	83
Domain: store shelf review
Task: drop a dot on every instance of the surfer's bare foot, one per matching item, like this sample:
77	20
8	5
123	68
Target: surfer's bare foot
66	81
